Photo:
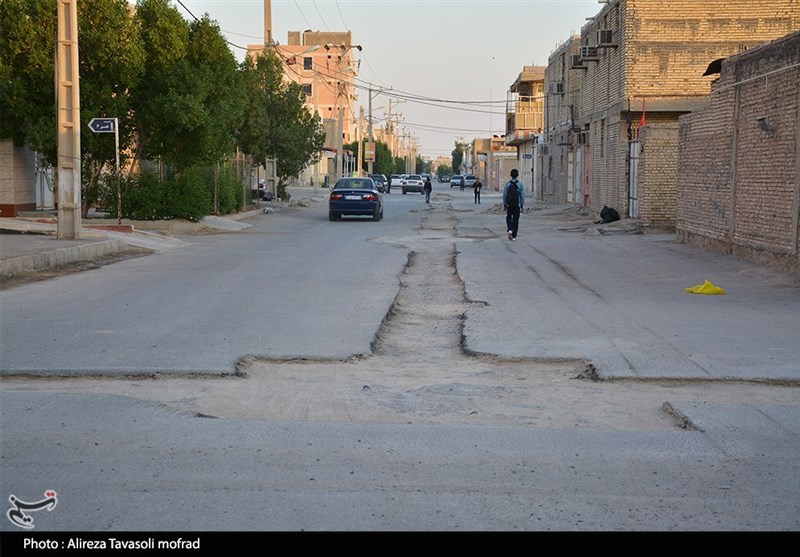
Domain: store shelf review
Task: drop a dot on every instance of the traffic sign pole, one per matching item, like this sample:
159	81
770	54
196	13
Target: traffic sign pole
110	125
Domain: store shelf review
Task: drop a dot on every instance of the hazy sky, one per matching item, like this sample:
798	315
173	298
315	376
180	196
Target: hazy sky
453	51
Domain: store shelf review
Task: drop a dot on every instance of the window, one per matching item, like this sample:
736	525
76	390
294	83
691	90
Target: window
307	63
307	89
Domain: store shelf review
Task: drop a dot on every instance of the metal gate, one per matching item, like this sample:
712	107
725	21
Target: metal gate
634	153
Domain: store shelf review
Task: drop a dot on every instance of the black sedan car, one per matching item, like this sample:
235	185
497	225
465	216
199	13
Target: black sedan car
355	196
380	181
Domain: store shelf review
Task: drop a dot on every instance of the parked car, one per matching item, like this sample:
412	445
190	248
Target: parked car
469	180
396	180
355	196
413	183
457	180
380	181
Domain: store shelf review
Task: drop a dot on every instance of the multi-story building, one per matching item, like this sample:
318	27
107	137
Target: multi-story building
738	173
524	123
642	63
324	64
561	162
491	160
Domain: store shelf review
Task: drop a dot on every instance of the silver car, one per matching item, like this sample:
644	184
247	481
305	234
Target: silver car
469	181
413	183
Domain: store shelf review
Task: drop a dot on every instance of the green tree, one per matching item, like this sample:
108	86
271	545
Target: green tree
188	104
27	89
277	123
159	102
110	62
384	164
399	165
458	156
442	171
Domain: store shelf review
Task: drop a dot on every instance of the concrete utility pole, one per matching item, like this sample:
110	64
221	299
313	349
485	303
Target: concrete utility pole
69	122
360	141
268	22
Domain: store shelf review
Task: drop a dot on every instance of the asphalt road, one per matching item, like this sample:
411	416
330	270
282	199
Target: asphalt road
294	285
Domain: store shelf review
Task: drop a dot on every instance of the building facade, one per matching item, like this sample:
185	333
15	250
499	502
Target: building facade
324	64
524	124
738	178
641	63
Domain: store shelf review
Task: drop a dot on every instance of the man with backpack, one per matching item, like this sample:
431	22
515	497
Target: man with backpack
513	202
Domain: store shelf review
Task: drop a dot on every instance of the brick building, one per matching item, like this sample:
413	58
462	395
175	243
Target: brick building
640	63
738	180
562	176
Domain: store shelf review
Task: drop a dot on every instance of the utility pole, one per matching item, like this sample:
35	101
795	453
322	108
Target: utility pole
360	141
69	123
268	22
369	127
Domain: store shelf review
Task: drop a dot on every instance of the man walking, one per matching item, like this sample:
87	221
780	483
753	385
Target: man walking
513	202
478	187
428	188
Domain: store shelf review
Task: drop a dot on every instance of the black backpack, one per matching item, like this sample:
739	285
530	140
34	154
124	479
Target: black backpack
512	196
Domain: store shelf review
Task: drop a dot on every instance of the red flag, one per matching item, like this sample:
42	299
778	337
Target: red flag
642	121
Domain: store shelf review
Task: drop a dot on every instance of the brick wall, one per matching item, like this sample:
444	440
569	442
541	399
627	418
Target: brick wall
657	185
17	179
662	49
738	179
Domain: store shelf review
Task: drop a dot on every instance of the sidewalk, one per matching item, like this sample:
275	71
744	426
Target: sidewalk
30	244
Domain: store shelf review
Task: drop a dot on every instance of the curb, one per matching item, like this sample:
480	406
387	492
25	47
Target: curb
49	259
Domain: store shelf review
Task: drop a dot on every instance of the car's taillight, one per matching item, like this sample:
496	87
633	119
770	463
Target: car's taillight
370	197
336	196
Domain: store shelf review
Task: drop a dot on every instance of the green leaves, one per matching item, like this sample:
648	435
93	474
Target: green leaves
277	123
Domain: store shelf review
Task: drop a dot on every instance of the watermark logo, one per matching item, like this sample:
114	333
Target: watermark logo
18	516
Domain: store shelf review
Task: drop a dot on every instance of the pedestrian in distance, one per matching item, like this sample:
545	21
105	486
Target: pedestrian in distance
478	187
513	203
389	184
427	188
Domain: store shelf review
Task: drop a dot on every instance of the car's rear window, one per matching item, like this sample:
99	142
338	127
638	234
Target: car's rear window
354	183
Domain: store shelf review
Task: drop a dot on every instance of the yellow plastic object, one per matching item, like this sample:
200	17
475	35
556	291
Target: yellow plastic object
705	288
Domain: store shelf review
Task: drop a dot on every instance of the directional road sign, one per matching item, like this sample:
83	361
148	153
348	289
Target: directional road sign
103	125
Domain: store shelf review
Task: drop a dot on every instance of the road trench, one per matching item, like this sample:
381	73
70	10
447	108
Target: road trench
419	370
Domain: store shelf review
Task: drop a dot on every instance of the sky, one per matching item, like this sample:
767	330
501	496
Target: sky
456	59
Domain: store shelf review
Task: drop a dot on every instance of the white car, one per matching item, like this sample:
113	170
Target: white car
412	182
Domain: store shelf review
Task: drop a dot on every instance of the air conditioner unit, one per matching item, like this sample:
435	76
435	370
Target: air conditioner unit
575	62
589	53
556	88
605	38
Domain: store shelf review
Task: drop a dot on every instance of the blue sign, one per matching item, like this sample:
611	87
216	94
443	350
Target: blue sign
527	156
102	125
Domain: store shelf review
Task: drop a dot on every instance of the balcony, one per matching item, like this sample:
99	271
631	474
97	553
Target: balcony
524	118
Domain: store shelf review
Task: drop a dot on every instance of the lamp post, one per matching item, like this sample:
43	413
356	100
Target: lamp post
341	93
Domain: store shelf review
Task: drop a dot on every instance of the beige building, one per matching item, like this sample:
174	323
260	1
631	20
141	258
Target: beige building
524	125
324	64
561	162
491	160
738	178
641	63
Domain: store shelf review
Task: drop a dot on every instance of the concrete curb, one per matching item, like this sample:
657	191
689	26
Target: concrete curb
49	259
